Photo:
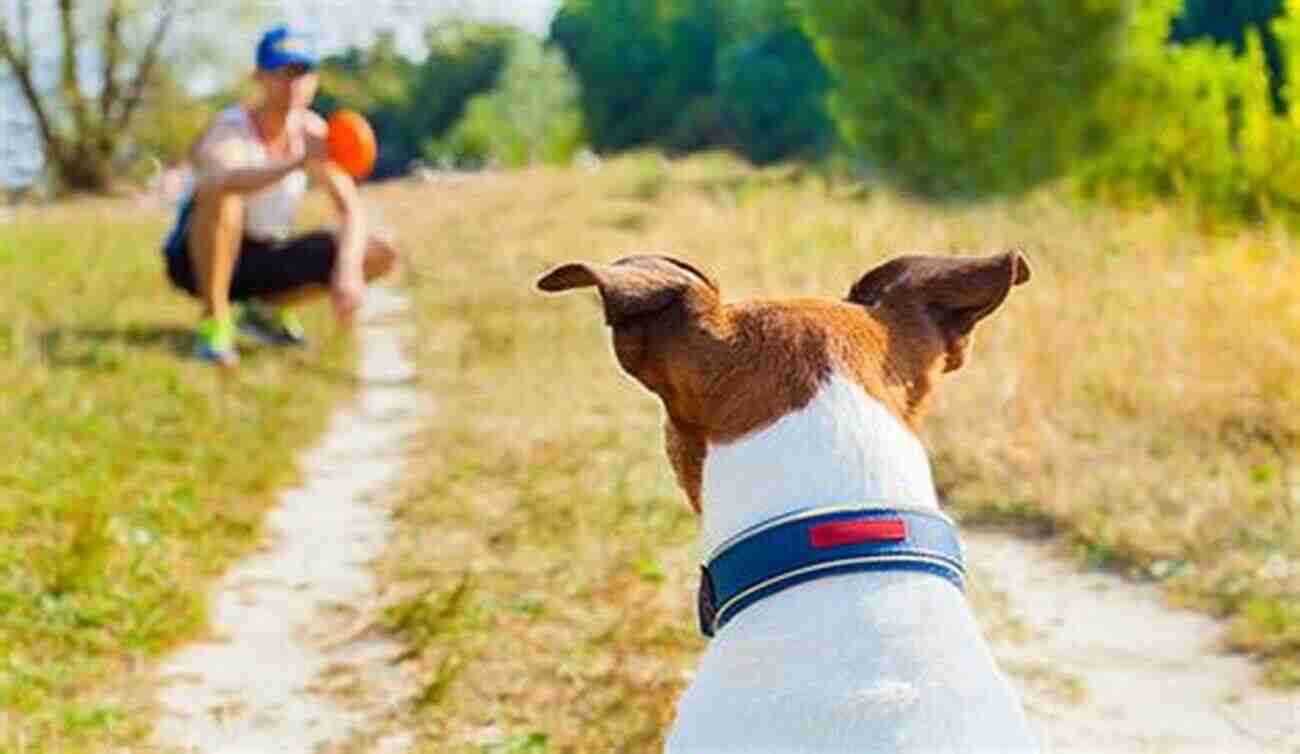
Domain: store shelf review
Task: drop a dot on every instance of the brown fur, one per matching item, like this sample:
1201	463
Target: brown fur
724	371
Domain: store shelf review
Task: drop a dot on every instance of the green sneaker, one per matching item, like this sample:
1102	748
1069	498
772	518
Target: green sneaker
276	327
215	341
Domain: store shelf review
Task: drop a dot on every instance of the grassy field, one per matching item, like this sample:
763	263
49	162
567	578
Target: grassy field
1138	398
132	474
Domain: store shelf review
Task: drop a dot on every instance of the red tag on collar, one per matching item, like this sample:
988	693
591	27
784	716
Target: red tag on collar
836	533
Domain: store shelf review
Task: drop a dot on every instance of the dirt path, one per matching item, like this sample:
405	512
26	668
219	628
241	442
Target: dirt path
287	671
1104	665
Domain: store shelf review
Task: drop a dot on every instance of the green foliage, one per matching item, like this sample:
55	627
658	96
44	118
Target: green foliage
464	60
771	93
695	74
408	102
133	473
531	116
169	122
1229	22
752	18
1223	21
630	80
966	98
1198	122
530	743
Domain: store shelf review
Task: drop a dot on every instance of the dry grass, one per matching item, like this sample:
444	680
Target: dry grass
1138	397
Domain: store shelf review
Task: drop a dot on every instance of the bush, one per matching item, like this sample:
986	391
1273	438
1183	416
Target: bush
630	78
691	75
1199	123
771	96
966	98
1229	23
531	116
408	102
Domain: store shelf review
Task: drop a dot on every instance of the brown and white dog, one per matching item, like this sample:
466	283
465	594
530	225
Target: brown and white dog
779	407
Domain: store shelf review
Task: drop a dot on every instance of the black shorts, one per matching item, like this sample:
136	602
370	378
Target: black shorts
264	268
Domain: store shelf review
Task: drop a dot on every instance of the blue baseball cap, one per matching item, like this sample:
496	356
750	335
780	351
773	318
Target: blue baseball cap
283	46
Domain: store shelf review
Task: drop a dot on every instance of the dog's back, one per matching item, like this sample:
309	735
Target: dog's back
878	662
865	662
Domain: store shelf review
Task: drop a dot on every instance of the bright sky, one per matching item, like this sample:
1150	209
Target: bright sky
344	22
337	25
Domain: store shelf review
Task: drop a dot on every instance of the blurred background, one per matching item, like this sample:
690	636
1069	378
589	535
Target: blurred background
1127	100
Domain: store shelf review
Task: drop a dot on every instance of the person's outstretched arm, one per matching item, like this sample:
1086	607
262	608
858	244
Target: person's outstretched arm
221	156
349	283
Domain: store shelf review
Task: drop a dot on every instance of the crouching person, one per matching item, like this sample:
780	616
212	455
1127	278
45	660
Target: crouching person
234	238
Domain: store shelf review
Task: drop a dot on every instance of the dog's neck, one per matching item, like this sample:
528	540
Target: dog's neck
843	448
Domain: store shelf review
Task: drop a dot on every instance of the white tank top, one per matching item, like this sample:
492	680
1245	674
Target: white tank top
269	214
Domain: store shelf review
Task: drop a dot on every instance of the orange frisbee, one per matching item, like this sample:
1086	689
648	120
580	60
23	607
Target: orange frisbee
351	143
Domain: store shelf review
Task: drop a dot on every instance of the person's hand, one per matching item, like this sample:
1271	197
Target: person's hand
315	151
346	293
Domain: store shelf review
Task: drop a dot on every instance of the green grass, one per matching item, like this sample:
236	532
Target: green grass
132	474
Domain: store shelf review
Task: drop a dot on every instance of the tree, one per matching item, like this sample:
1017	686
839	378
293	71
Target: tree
1225	20
106	56
1198	121
531	116
465	59
408	102
695	74
377	81
618	52
168	122
744	19
771	96
1229	21
966	98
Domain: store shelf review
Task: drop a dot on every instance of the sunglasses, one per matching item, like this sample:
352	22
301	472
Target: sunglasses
295	70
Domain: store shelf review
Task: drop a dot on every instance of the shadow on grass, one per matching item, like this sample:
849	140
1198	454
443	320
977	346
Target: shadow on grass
100	347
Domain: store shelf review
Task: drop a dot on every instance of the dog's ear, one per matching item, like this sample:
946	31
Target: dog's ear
632	289
953	293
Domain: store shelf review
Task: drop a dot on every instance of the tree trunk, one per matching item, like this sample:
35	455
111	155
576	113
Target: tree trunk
80	172
80	150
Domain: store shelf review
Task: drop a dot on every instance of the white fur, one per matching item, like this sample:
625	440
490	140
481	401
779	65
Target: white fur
843	448
887	662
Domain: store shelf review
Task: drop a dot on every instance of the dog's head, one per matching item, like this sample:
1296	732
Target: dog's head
725	370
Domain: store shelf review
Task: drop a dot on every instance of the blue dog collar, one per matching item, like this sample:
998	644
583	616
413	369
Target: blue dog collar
818	542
